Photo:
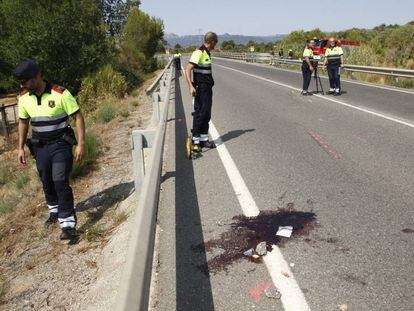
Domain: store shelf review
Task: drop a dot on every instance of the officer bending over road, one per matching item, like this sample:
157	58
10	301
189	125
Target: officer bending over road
202	89
48	106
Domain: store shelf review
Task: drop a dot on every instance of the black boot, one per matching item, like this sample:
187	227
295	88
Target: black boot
208	144
68	234
53	217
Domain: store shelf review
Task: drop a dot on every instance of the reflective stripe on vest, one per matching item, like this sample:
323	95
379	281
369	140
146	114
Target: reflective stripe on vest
49	112
49	128
202	71
334	54
44	124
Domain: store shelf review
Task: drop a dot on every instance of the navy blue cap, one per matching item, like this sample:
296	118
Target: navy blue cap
27	69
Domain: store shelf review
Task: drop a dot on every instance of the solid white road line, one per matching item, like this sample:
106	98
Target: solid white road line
377	86
292	298
390	118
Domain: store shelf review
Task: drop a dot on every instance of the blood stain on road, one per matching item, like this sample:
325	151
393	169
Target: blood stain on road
246	232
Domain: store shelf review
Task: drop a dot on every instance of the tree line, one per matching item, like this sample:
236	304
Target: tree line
384	45
74	41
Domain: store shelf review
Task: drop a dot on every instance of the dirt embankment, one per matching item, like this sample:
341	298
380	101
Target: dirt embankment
37	271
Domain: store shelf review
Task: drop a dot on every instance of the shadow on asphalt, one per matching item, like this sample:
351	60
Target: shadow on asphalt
193	290
234	134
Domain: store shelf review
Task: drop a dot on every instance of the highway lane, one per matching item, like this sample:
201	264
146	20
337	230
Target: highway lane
397	102
197	205
354	170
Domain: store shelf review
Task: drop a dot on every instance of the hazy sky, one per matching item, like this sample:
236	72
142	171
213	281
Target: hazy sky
265	17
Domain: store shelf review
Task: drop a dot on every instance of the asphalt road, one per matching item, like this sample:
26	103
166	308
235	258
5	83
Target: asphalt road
352	168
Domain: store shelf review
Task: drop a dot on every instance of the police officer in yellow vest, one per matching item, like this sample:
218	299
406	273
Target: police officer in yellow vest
307	66
202	88
334	58
48	107
177	60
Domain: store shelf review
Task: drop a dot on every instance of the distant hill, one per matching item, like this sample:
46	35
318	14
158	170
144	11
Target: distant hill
172	39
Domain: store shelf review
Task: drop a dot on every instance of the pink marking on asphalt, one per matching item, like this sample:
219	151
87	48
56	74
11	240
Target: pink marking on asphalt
328	149
256	293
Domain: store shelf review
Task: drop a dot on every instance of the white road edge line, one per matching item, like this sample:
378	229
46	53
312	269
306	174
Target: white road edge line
394	119
292	298
377	86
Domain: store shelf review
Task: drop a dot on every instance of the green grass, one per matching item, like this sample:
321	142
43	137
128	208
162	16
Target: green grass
94	233
135	93
119	218
124	113
21	180
2	287
92	143
5	174
106	112
133	103
9	203
406	83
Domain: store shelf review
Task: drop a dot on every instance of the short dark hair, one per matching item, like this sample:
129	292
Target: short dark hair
210	37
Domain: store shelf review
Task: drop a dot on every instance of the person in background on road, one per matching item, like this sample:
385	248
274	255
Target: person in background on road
307	66
281	53
177	61
290	54
202	89
48	106
334	59
272	55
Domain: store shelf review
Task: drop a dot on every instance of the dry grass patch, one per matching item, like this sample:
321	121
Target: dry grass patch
119	218
2	287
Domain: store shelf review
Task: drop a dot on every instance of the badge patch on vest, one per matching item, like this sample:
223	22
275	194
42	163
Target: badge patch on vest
51	103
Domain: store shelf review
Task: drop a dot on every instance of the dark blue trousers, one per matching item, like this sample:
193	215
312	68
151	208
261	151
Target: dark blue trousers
54	163
307	76
334	73
202	109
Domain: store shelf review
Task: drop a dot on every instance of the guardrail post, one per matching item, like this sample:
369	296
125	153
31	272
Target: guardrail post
137	159
4	121
395	81
156	107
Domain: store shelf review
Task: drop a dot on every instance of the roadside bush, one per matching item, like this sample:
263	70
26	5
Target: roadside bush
161	63
133	103
363	55
80	42
135	93
124	113
92	143
139	42
106	112
406	83
106	82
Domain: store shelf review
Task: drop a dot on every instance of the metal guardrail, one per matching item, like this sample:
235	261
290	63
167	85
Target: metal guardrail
156	81
254	57
136	279
8	118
